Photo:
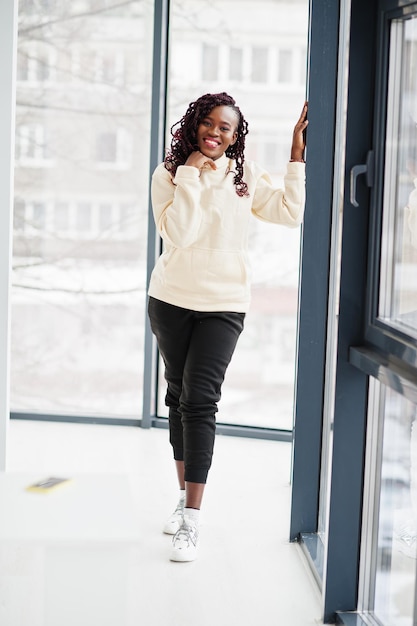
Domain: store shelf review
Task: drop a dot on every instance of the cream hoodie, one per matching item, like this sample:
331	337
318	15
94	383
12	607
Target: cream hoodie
204	226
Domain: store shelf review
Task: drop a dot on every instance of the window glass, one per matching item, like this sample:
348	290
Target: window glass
259	385
81	204
398	290
396	515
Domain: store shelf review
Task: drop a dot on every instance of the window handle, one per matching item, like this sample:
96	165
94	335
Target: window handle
365	168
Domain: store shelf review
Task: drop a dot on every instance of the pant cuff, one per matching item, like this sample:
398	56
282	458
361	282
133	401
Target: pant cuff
178	454
195	475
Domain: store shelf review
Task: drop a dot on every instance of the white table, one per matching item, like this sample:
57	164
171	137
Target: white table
64	555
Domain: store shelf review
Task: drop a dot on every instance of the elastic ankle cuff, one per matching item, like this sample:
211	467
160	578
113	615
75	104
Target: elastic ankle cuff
194	475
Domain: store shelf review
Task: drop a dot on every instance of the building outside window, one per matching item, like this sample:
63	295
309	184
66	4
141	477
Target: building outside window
31	145
90	135
260	57
210	63
236	64
285	66
81	182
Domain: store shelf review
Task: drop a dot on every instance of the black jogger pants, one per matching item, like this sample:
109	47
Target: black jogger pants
196	348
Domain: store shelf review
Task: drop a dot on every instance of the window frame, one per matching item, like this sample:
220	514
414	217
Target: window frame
379	334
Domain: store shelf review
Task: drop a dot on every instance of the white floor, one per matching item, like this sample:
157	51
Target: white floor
248	574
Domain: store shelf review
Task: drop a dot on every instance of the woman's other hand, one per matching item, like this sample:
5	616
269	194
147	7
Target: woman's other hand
200	161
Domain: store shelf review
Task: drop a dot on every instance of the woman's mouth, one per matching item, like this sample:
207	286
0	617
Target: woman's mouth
211	143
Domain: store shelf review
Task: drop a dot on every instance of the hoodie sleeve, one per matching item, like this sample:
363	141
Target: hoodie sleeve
281	206
176	205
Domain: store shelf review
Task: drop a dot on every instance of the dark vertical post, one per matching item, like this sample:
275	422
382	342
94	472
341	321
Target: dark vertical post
340	584
323	55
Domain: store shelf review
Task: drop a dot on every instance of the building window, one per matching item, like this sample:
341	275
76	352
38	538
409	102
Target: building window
128	220
259	65
35	65
110	68
19	215
43	71
31	145
106	148
105	217
285	66
236	64
61	217
210	63
39	216
114	149
22	66
36	7
83	218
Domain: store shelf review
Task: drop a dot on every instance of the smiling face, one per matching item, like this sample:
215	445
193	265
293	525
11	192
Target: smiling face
217	131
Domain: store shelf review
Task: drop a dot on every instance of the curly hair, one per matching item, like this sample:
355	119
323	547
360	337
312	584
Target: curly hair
184	136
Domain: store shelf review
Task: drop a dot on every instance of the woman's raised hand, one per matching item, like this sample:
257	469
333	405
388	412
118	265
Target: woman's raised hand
298	137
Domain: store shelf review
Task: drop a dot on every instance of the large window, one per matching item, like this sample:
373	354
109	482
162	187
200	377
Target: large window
398	289
208	53
389	544
81	201
81	197
390	529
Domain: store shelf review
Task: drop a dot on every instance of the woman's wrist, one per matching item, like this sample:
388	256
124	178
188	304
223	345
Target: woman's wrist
297	156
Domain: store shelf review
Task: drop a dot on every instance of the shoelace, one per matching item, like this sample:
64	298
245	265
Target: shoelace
187	533
180	508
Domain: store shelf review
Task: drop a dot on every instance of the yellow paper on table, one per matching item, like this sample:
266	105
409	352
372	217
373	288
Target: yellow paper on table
48	484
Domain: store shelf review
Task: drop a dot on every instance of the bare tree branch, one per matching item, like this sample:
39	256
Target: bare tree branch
76	16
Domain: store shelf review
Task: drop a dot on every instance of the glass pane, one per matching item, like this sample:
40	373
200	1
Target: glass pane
81	198
398	292
396	549
209	54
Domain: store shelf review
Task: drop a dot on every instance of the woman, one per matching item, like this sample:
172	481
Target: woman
203	196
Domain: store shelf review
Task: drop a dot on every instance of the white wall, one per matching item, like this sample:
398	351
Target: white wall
8	22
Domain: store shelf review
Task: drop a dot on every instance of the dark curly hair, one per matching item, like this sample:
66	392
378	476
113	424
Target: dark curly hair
184	136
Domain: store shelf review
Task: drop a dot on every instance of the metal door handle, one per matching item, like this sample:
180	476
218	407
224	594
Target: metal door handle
365	168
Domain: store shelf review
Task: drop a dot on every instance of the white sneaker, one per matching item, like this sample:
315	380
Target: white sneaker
174	521
185	541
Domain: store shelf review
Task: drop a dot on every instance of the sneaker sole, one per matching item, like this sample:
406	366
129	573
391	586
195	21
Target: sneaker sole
170	530
187	557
